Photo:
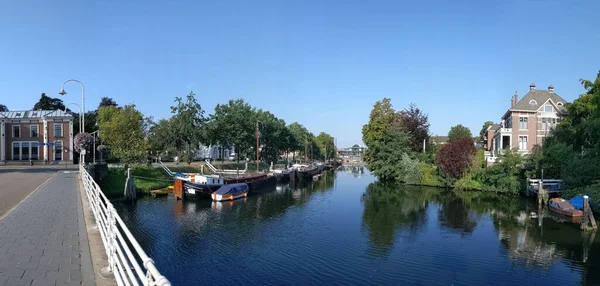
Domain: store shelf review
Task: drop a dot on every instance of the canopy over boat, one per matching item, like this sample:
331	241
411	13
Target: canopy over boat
577	202
232	189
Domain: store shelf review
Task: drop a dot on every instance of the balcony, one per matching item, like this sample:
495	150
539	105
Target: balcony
505	130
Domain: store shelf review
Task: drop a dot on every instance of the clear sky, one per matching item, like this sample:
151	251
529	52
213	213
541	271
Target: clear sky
321	63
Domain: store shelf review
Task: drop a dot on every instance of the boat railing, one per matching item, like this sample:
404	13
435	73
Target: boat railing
225	172
130	265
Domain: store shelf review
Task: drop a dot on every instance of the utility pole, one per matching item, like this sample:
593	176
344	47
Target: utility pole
257	146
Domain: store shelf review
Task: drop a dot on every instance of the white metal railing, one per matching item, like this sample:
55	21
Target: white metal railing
166	169
117	240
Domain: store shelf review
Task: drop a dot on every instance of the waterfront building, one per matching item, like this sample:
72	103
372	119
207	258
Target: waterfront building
38	135
355	151
526	123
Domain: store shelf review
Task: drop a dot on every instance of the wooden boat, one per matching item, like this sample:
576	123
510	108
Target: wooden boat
230	192
564	207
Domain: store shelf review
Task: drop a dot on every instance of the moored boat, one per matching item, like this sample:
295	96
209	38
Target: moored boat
230	192
564	207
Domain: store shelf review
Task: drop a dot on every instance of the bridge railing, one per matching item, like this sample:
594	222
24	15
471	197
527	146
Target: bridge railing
126	258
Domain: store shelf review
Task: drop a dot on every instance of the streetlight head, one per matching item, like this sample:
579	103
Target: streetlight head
62	91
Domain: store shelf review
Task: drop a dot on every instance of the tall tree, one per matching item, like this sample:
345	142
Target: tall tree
49	103
416	123
382	117
3	107
385	155
484	128
187	123
122	130
161	136
326	145
302	137
107	101
235	121
272	139
459	132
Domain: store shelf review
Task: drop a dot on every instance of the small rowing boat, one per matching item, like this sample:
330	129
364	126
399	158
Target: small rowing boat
564	207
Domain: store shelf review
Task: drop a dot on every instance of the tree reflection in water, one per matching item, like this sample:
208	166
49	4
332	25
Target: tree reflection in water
392	208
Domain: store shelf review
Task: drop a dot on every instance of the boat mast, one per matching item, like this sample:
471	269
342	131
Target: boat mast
257	146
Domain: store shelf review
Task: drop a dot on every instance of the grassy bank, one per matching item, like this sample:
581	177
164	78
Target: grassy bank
146	179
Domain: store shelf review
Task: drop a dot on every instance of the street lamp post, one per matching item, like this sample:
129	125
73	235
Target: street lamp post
80	115
82	128
94	150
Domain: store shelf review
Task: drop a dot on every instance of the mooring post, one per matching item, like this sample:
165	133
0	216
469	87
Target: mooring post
584	222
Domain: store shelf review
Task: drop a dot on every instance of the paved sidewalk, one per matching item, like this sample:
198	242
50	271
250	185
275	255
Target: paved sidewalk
44	240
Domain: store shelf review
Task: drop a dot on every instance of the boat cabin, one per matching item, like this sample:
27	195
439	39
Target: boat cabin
550	186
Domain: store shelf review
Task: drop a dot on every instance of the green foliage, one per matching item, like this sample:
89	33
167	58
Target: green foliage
3	108
468	182
504	176
410	171
382	118
301	136
273	135
122	130
459	132
234	124
48	103
161	136
385	155
484	128
146	179
187	124
326	145
430	175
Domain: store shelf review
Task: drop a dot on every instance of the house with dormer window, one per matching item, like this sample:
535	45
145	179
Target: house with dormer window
526	123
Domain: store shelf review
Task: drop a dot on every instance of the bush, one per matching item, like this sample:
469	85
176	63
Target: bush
468	183
410	171
505	176
430	175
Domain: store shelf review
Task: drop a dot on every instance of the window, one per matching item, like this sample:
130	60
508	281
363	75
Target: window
548	108
532	102
560	104
58	130
548	123
16	131
523	123
16	155
34	151
58	150
522	142
24	150
33	130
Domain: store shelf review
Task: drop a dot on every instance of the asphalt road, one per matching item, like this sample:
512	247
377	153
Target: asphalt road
17	182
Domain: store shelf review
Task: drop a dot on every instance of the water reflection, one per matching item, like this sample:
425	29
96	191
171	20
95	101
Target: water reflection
344	230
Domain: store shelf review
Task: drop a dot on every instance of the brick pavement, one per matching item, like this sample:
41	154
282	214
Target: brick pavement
44	240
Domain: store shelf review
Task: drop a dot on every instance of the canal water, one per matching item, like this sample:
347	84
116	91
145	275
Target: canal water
348	229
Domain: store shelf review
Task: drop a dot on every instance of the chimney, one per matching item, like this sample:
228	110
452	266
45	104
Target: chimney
551	89
532	87
515	99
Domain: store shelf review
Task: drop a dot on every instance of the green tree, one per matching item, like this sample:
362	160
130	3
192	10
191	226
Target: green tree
107	101
235	121
381	119
272	135
48	103
326	145
161	136
385	155
122	130
187	124
301	137
459	132
484	128
3	107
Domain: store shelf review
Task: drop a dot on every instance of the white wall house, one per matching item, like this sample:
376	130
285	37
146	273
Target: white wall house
214	152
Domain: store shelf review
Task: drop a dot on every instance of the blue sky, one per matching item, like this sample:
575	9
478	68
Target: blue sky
321	63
